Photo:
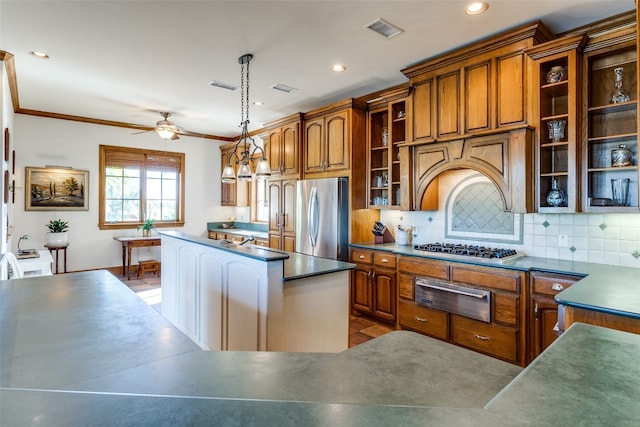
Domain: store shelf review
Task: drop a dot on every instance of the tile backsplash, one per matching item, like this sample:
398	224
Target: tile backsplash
612	238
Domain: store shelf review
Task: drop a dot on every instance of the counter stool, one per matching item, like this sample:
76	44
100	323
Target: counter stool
150	265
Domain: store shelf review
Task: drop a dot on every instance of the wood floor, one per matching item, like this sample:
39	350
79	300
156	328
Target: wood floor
361	329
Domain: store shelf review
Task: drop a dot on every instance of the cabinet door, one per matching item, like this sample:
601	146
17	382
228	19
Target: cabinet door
361	290
314	143
290	152
511	108
274	151
274	190
384	294
422	110
545	318
338	141
288	204
448	104
477	114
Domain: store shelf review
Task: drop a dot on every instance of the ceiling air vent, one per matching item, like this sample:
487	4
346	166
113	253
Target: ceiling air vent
384	28
283	88
227	86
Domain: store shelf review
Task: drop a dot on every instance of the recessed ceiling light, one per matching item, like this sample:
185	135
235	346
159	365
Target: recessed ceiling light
338	68
258	103
476	7
39	55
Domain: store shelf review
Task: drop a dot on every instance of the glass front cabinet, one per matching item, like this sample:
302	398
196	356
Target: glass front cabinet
386	130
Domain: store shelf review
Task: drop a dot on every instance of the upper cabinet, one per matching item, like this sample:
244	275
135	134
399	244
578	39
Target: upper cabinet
283	146
556	77
610	144
329	139
478	89
386	131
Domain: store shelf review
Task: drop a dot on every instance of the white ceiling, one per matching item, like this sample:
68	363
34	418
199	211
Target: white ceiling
127	60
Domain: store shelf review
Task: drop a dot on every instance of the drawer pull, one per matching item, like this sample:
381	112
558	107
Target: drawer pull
361	257
482	337
557	287
384	260
422	319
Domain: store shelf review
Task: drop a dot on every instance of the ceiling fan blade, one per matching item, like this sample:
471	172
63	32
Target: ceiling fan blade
142	131
174	137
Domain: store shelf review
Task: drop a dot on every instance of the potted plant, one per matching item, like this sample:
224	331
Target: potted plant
57	235
146	227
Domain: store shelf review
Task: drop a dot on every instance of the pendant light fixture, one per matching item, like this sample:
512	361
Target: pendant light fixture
249	146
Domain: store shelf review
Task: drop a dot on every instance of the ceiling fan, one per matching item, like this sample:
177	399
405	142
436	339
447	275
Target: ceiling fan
166	129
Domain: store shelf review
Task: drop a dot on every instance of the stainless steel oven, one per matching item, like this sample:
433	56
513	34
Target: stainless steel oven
463	300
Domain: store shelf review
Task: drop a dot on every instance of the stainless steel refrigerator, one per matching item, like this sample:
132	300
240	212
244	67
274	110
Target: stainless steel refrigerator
322	218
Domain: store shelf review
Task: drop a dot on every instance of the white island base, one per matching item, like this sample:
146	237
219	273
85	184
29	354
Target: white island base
230	297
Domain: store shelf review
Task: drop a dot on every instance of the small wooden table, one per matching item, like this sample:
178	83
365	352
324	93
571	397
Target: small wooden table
56	248
129	243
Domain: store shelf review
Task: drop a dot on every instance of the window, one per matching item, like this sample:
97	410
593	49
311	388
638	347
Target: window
260	202
136	185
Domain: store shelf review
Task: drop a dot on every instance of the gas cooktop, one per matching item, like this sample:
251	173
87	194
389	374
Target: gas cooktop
452	251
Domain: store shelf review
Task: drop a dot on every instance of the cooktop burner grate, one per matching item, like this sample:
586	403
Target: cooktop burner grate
469	250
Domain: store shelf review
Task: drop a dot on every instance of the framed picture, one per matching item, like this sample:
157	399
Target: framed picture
56	189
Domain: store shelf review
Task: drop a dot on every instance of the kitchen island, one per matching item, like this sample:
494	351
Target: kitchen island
82	349
229	296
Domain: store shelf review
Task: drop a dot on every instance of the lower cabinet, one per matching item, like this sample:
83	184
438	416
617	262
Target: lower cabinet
503	337
543	310
373	284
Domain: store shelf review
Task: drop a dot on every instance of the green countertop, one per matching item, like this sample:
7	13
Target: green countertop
603	288
81	349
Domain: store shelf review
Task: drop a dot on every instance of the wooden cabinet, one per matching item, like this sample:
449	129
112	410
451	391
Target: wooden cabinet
332	138
610	123
282	214
543	310
373	284
386	130
236	194
327	143
556	76
283	146
505	158
503	337
473	90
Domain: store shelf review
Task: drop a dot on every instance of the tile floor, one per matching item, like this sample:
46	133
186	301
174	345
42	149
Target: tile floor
361	329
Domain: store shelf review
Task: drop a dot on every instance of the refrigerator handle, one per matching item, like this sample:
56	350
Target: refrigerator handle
313	216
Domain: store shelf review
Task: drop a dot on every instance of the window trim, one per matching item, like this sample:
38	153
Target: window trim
102	225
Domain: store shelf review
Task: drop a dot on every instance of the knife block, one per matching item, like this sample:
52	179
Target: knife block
385	238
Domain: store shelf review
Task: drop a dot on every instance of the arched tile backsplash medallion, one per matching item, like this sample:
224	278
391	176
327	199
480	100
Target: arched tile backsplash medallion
474	212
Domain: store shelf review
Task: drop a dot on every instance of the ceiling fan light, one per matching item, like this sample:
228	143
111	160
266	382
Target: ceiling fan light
244	173
228	174
165	132
263	170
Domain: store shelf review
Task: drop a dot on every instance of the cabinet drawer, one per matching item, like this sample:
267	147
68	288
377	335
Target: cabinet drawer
211	235
423	319
384	259
362	256
148	243
488	277
494	340
261	242
551	284
424	267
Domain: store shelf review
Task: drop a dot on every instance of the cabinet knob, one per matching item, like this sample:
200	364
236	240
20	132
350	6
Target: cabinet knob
384	260
361	256
482	337
422	319
557	287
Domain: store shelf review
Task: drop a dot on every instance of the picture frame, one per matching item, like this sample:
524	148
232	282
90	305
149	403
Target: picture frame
56	188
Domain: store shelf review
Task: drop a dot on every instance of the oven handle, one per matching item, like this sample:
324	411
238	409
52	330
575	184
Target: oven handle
481	295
